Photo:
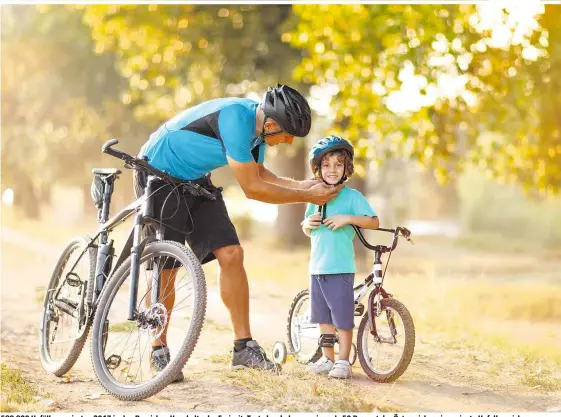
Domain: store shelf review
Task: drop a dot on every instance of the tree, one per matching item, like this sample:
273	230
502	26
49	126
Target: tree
58	102
176	56
467	82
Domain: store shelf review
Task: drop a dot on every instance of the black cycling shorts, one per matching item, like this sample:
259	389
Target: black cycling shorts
204	224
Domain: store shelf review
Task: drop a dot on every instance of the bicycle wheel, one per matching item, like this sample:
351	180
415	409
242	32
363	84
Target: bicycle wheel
385	360
121	349
302	335
64	323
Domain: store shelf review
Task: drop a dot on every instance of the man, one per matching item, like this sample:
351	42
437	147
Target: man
234	132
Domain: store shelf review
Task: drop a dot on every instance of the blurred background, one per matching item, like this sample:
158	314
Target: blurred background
453	108
454	111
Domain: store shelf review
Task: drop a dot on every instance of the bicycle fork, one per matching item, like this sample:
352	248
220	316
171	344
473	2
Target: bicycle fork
136	253
374	310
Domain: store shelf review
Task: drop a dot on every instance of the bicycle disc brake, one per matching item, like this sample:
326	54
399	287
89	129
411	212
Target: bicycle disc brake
153	320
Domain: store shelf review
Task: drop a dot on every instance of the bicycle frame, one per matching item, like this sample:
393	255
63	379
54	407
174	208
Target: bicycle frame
143	207
376	279
373	283
361	290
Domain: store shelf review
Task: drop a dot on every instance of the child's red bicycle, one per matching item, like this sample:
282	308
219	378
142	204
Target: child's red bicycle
385	336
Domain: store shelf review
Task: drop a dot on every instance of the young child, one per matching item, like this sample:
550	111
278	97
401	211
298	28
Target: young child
332	264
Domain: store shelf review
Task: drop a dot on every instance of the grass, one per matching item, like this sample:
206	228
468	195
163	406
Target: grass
514	327
511	301
493	242
542	380
16	392
538	373
467	300
39	294
222	359
125	327
296	389
209	323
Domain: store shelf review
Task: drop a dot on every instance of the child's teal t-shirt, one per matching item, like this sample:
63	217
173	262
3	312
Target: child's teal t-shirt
332	251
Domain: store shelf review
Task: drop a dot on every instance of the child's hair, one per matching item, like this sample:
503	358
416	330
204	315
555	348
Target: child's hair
347	159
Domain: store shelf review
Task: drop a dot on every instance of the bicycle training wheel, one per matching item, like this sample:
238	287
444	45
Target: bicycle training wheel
302	335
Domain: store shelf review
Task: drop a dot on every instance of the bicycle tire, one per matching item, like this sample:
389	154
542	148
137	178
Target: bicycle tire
59	368
165	377
408	349
306	358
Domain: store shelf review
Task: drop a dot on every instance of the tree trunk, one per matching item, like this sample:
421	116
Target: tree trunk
288	229
26	199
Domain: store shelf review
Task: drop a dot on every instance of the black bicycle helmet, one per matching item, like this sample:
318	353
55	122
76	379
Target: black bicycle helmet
289	109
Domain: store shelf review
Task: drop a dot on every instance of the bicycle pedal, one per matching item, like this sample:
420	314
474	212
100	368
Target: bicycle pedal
113	362
73	280
359	309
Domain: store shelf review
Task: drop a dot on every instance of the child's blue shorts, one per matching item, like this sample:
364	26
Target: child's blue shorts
332	300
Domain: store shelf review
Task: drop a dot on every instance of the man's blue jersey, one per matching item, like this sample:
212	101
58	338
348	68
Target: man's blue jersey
198	140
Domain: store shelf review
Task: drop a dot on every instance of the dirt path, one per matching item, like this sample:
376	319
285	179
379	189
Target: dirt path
437	379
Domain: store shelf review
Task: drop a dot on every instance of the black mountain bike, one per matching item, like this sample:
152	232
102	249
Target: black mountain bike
385	336
125	303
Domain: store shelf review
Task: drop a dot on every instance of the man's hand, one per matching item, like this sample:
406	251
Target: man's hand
306	184
336	222
321	193
312	222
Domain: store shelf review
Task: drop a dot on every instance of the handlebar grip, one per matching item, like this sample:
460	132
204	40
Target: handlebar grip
108	145
405	232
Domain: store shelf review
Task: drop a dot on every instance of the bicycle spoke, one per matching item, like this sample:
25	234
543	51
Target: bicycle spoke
153	320
63	334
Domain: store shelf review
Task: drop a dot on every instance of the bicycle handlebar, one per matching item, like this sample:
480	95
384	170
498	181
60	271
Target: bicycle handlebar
107	145
136	163
382	248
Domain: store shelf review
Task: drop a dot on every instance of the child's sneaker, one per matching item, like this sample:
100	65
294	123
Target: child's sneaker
341	369
322	366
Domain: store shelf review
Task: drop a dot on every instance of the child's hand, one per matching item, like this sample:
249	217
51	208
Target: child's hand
335	222
312	222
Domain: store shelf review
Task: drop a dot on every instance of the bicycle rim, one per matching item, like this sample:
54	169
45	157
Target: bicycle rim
304	335
63	327
126	346
384	357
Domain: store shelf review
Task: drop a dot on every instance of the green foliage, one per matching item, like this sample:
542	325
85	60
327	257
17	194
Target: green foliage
176	56
365	51
15	390
44	89
58	100
504	210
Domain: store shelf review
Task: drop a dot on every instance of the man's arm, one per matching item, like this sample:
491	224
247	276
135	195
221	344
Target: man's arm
254	187
271	178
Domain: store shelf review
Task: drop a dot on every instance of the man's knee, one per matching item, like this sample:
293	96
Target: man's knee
229	256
